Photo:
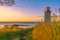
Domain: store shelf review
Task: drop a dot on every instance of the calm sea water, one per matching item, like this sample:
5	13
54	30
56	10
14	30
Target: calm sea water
30	24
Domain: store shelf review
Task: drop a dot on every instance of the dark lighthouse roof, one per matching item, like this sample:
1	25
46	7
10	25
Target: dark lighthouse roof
47	9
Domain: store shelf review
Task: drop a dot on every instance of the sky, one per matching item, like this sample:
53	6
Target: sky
27	10
37	7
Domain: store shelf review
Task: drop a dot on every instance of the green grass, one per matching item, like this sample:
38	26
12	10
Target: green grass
47	31
8	35
16	35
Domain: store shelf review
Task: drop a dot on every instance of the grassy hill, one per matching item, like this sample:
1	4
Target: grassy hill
42	31
47	31
15	34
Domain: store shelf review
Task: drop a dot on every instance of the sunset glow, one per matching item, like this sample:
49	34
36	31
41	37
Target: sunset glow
8	14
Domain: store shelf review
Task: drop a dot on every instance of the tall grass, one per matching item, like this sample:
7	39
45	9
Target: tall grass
16	34
46	31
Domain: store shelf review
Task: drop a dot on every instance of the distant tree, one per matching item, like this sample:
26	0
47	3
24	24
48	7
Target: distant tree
14	26
54	17
1	3
9	2
6	26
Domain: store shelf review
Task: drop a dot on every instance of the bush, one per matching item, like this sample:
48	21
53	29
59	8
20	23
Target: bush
49	31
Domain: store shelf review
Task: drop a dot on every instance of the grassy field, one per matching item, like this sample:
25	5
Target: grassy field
42	31
47	31
15	34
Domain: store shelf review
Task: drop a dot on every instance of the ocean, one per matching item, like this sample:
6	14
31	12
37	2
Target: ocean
21	24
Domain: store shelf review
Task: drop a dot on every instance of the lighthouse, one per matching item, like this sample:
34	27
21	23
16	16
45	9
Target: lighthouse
47	14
